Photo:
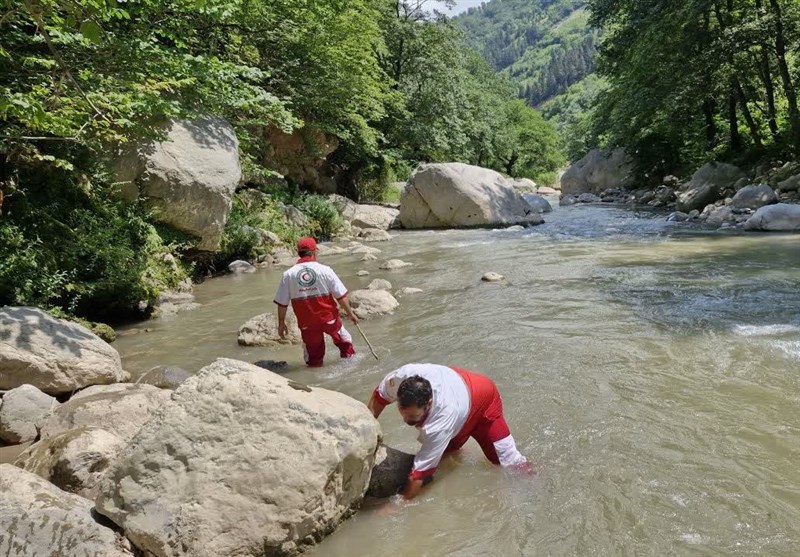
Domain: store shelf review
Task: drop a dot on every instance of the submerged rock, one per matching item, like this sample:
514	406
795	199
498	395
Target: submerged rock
589	198
272	365
492	277
369	303
262	330
239	266
379	284
394	264
677	216
390	473
537	203
407	291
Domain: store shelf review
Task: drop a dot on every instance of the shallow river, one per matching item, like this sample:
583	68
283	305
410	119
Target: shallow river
652	372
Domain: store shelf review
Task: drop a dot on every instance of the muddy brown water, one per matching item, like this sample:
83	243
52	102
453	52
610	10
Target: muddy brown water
651	370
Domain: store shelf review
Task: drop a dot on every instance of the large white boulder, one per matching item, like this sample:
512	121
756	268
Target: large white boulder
708	184
754	196
54	355
75	460
365	216
782	217
23	412
241	462
524	185
369	303
262	330
189	178
38	519
452	195
598	171
121	409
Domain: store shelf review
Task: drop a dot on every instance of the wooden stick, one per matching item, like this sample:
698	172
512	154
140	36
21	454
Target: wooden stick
367	341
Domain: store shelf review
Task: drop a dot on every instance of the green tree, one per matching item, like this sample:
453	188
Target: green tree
528	146
694	81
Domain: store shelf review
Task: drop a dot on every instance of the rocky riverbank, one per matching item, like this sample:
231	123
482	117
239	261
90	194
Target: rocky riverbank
266	465
763	198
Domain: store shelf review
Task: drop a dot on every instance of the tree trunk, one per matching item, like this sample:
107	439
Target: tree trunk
733	121
711	125
511	163
783	67
748	116
769	87
766	78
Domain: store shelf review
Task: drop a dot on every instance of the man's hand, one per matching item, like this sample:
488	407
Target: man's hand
391	507
353	318
282	329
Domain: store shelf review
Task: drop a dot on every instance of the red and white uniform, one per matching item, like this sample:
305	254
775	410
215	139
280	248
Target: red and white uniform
465	404
313	290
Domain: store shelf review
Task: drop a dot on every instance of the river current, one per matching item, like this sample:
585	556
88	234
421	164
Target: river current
651	370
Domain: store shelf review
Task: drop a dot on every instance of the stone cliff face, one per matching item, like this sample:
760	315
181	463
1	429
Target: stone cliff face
301	156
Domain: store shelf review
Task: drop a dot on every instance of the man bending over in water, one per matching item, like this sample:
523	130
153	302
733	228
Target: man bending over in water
448	405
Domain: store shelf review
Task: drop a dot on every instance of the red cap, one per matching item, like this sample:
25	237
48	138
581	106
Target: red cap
307	244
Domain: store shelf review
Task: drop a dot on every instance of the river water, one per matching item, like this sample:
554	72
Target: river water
652	371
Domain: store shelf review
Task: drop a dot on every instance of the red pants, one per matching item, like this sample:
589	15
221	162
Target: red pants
314	341
485	422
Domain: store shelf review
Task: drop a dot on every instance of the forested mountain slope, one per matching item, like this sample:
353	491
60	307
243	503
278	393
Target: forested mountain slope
544	45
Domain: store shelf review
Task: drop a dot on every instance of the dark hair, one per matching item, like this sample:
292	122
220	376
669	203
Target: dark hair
305	252
414	391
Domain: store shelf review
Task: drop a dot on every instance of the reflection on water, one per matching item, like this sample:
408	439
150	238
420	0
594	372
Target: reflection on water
650	369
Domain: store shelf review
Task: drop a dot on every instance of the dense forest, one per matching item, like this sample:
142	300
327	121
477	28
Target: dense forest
393	81
693	81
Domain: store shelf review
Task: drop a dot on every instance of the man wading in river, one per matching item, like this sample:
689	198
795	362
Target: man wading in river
314	290
448	405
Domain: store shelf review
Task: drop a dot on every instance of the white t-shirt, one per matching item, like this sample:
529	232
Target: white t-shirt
448	413
313	290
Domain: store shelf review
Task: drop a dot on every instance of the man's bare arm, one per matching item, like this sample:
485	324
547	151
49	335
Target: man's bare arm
375	406
413	487
282	329
345	303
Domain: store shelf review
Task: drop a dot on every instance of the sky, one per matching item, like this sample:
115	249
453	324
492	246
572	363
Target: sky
464	5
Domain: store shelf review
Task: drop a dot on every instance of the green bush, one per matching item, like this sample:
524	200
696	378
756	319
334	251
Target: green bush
325	219
253	210
64	246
